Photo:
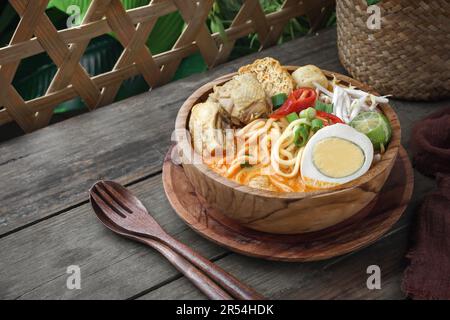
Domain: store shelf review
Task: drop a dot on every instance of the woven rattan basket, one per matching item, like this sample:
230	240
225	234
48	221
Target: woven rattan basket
408	56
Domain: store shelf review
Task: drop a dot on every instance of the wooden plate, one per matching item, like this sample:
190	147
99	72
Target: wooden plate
367	226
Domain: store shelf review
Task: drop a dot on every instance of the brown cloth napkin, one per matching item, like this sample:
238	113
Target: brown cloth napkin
428	275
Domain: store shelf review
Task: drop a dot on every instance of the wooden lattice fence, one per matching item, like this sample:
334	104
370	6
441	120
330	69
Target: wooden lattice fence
35	34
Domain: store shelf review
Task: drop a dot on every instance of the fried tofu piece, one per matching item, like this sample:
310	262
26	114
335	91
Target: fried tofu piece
273	77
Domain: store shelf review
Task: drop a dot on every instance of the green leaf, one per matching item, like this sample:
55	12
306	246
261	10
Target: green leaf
83	5
190	65
8	22
165	32
132	87
270	6
64	6
331	20
58	18
7	16
372	2
227	9
217	25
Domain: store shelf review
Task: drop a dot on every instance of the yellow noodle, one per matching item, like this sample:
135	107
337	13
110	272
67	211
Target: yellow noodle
268	146
253	125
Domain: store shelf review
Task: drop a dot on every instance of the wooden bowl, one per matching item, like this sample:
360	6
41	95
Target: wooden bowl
283	213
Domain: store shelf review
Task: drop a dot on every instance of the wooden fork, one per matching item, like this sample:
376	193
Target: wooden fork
122	212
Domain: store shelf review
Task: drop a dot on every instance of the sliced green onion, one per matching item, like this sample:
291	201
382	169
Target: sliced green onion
301	134
309	113
292	117
316	124
278	100
322	106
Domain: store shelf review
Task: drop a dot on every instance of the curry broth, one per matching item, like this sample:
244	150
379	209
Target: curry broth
246	175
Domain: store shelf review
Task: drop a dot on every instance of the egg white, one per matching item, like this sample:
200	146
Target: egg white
313	177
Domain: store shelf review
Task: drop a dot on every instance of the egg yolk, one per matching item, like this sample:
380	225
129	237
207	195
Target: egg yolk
337	158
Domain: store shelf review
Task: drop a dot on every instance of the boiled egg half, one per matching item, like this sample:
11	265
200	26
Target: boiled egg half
335	155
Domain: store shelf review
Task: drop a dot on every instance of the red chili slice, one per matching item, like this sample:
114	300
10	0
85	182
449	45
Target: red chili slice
297	101
330	117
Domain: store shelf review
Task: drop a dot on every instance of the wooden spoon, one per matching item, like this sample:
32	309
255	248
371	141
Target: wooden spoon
203	283
118	207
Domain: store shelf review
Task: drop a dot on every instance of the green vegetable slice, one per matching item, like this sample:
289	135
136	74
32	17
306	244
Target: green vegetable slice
292	117
301	134
316	125
322	106
278	100
309	113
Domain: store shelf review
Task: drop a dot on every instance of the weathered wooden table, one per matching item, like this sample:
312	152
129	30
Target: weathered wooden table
46	222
